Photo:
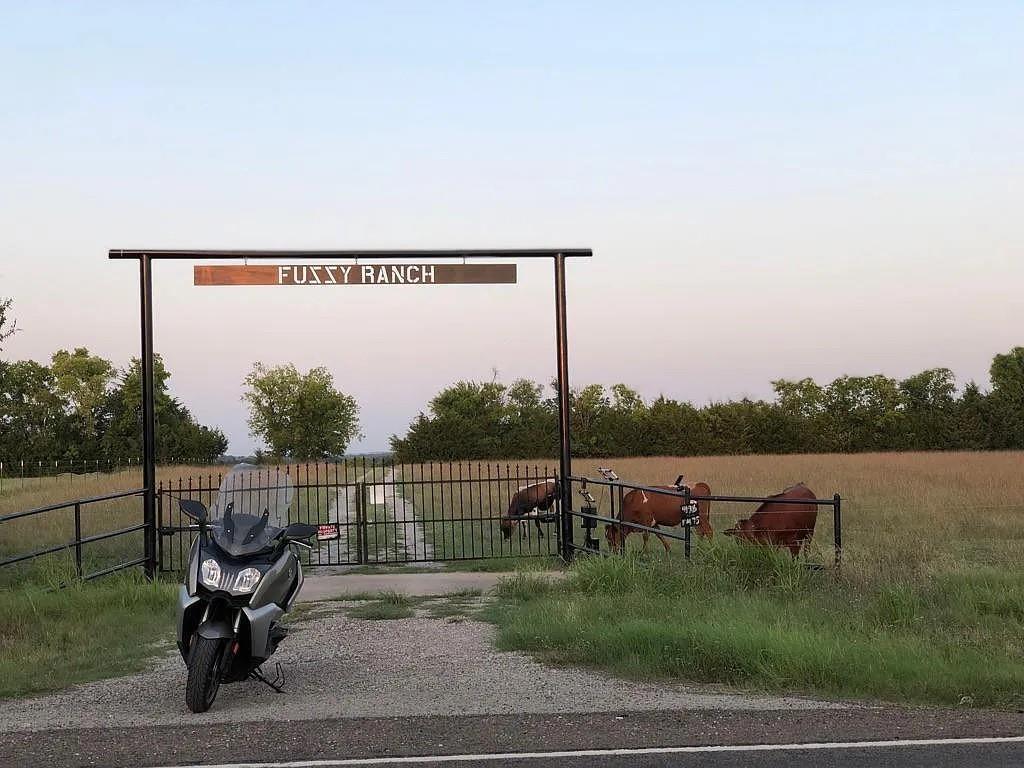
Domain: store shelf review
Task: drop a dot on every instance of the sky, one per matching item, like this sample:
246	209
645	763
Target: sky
771	190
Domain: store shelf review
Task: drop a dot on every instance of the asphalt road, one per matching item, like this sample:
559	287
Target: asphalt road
941	756
379	740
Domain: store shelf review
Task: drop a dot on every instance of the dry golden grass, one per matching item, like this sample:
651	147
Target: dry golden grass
904	514
58	526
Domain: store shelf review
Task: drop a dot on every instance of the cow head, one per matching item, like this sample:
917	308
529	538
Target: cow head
506	524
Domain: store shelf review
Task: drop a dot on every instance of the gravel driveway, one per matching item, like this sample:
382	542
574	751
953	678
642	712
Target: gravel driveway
337	666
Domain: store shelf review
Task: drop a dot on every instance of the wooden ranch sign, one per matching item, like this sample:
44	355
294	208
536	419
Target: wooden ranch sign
355	274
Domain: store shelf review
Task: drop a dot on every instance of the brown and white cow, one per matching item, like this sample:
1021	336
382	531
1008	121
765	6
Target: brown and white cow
655	510
529	501
784	523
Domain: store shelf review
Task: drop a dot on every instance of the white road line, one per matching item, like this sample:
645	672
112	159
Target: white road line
431	759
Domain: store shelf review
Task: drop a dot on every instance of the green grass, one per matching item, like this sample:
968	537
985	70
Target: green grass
53	639
394	605
752	618
458	606
388	605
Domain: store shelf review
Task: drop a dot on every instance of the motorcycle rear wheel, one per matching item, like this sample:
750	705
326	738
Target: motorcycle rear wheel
204	673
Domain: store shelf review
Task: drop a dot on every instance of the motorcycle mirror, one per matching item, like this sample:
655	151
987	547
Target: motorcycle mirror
193	509
299	531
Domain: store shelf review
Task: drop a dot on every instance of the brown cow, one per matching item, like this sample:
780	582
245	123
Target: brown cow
529	501
784	523
655	510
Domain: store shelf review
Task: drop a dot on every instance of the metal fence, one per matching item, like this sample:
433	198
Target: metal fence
723	512
373	512
17	474
386	513
83	539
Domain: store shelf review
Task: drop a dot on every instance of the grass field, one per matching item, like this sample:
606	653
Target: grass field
904	515
52	639
928	607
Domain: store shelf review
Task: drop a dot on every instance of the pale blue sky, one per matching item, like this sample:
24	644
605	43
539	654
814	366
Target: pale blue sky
771	189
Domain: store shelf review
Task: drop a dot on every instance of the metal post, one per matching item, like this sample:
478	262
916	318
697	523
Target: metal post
160	525
78	539
361	543
837	528
565	452
148	416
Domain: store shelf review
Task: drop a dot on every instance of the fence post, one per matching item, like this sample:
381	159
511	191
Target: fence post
686	540
837	528
78	539
361	543
159	525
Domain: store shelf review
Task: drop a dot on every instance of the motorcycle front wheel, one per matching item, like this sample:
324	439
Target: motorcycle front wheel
204	673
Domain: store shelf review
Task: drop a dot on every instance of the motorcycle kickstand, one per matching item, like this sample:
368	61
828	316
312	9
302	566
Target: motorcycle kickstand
278	682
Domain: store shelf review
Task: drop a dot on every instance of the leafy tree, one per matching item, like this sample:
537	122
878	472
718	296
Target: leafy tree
33	424
852	413
973	430
178	436
530	424
929	406
8	325
302	416
1007	399
467	420
82	381
588	420
863	413
672	428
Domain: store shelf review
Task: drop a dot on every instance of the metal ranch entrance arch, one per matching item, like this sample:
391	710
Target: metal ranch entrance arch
277	275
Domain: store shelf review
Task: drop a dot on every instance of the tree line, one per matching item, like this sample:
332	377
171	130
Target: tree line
926	411
81	409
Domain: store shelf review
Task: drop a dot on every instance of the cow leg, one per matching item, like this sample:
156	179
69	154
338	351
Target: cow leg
646	536
540	531
623	533
664	542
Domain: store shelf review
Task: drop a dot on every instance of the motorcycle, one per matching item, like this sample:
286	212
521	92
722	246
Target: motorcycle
242	577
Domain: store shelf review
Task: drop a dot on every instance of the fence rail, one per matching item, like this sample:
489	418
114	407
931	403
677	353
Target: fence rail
18	474
374	512
617	489
115	559
386	513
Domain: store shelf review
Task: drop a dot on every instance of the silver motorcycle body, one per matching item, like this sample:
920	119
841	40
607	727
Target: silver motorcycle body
242	577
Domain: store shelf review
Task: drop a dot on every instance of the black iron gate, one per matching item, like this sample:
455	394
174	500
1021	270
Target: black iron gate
375	512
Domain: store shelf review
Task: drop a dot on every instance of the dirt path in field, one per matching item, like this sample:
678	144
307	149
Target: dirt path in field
392	514
342	509
411	533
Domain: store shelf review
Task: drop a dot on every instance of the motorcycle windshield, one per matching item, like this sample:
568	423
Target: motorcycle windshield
251	508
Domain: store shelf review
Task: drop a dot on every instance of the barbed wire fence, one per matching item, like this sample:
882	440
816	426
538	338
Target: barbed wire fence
19	473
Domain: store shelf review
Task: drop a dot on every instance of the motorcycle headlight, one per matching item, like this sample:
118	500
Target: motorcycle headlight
246	580
209	573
